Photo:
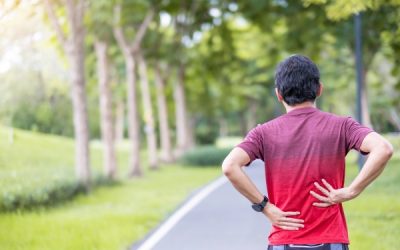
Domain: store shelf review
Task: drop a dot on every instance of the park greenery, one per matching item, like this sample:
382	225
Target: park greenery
205	156
168	75
104	102
114	216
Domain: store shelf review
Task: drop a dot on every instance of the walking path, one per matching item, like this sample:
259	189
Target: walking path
216	218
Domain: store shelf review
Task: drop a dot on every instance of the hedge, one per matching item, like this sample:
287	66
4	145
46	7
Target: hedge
205	156
47	195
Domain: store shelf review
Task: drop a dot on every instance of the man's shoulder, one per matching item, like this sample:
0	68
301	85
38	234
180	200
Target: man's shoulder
333	116
270	123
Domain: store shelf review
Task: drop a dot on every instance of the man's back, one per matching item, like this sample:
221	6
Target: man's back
300	148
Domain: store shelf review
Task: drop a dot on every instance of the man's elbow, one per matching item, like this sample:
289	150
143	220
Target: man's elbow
228	168
387	149
383	148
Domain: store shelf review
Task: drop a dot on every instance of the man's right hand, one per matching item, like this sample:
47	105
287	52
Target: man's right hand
280	218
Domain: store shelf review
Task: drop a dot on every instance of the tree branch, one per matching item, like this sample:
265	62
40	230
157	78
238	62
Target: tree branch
57	27
142	29
117	30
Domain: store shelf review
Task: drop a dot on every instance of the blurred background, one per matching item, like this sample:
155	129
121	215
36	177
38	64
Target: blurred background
113	111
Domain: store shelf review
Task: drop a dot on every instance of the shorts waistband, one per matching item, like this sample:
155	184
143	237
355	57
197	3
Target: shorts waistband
326	246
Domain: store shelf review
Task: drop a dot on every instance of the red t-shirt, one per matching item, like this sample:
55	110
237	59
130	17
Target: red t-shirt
300	148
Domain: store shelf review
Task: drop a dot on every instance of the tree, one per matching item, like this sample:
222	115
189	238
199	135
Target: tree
148	112
379	19
230	68
129	51
165	137
187	18
100	29
181	116
107	126
159	52
73	45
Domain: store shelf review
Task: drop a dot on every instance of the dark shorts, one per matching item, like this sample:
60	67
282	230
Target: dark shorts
332	246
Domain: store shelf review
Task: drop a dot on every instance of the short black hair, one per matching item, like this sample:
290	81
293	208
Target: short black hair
297	80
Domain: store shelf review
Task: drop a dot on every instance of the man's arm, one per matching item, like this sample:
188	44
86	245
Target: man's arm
232	169
380	151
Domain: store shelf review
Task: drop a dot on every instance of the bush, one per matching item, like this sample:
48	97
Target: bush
205	156
47	195
44	196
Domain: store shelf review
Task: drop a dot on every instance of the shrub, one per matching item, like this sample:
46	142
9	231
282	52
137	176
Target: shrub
50	194
47	195
205	156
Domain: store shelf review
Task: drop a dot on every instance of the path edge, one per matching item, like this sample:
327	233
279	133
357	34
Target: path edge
154	236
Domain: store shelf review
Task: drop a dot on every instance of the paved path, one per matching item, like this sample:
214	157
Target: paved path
222	220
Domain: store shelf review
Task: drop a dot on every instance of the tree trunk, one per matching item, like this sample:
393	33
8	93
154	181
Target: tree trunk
81	128
251	114
190	137
148	113
133	128
165	138
243	123
107	127
128	51
366	119
223	127
180	112
77	64
73	45
119	121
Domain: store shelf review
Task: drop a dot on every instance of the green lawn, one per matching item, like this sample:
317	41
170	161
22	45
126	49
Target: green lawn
111	217
34	159
374	217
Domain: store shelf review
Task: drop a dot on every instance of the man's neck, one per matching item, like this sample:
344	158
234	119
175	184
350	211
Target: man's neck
299	106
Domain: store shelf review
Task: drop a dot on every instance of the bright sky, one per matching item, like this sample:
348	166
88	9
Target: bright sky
20	31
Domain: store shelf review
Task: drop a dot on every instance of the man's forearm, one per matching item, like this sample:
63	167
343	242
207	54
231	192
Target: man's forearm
232	168
242	183
372	168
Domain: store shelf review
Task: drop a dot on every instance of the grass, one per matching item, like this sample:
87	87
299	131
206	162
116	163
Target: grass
38	169
374	217
111	217
35	158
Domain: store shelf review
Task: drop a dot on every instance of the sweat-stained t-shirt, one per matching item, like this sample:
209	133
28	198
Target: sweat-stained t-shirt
300	148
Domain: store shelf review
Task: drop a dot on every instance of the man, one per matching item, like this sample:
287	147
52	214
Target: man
304	152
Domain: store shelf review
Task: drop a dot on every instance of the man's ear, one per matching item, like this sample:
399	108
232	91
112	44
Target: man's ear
279	96
320	89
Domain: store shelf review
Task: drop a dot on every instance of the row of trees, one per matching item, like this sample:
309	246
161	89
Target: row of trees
122	24
220	58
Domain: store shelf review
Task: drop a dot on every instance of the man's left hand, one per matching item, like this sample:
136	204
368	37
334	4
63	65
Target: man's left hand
330	195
